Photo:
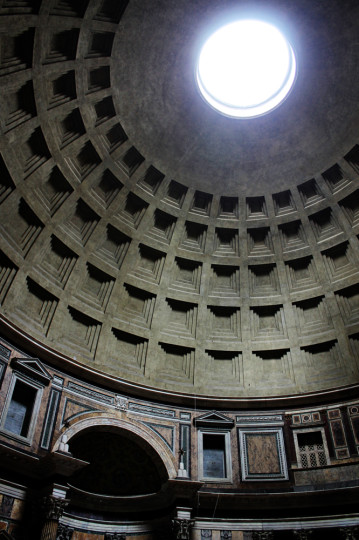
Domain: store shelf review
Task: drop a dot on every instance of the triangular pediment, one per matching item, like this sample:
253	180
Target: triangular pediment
214	419
33	368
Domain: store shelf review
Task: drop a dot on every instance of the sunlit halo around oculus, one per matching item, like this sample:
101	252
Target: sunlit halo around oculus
246	68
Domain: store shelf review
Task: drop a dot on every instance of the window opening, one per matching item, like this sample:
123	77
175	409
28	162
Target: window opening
214	456
246	68
20	409
311	450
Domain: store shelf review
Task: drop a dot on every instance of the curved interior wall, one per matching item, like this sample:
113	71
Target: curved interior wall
114	258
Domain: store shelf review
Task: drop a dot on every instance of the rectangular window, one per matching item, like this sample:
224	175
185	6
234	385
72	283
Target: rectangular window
20	409
214	456
311	449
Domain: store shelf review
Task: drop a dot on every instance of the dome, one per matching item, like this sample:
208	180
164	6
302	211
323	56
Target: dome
153	244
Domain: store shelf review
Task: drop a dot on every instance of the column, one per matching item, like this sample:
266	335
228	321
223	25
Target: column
182	524
53	506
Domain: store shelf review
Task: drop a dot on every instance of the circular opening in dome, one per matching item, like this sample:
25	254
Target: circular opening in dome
246	68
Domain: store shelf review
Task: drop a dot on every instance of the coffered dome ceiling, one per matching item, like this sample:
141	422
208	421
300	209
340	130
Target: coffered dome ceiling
153	242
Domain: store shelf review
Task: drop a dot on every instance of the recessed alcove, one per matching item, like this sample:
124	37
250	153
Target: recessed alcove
224	324
283	202
132	211
83	332
340	261
176	193
335	178
136	306
130	161
98	79
100	44
268	323
260	242
201	203
71	127
228	208
151	180
274	366
114	137
350	206
224	281
256	207
186	276
38	309
58	262
6	183
62	89
34	152
181	319
25	7
113	246
313	316
149	264
26	226
104	110
54	191
324	225
263	280
96	287
19	105
133	352
348	302
302	274
110	12
135	474
84	161
69	9
225	367
179	362
226	242
81	223
62	45
163	227
324	363
106	188
8	272
310	193
194	237
352	157
16	50
292	236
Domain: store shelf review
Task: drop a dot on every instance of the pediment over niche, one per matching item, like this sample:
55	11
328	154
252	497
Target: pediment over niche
214	419
32	367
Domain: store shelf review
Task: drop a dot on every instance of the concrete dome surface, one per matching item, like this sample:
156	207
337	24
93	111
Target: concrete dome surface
148	240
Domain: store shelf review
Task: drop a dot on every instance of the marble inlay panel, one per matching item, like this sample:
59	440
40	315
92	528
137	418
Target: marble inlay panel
262	454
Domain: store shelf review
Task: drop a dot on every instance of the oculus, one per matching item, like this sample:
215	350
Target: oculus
246	68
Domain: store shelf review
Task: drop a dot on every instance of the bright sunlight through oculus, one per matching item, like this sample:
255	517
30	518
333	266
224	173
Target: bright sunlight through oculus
246	68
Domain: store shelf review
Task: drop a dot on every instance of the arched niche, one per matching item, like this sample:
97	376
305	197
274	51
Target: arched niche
106	443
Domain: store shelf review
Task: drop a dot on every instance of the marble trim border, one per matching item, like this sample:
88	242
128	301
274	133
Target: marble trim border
282	461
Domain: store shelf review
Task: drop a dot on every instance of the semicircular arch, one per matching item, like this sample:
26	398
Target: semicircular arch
139	433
